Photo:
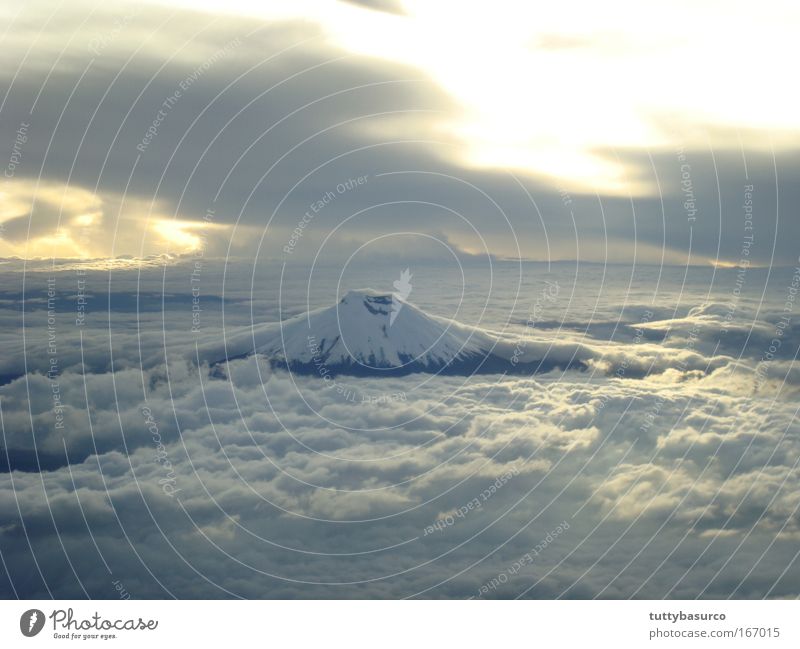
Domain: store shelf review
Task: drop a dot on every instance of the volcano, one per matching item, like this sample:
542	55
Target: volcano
370	333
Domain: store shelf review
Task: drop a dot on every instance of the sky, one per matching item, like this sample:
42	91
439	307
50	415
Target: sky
512	130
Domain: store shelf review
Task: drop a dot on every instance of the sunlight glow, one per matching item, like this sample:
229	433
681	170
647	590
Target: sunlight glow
557	89
182	236
58	221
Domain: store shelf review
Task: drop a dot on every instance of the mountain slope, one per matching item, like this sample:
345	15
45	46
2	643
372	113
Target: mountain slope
369	333
357	333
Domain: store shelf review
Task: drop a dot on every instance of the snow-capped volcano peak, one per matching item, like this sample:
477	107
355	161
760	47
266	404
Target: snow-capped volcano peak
368	332
375	302
371	330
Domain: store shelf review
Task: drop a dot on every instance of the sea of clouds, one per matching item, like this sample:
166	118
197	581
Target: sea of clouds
667	468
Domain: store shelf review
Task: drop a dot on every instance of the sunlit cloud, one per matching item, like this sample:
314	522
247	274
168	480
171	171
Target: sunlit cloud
58	221
182	236
556	90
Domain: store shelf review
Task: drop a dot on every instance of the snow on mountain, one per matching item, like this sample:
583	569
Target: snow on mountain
374	333
358	333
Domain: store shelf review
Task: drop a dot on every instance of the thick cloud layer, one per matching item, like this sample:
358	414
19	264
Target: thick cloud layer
667	468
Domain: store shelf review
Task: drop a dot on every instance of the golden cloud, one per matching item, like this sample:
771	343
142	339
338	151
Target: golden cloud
41	219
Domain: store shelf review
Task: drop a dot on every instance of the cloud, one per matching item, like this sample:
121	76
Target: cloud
326	112
389	6
595	113
266	485
59	221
